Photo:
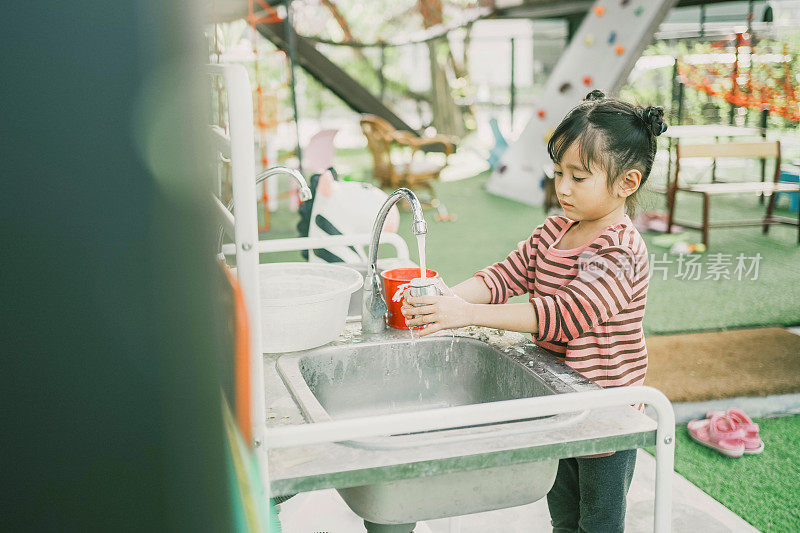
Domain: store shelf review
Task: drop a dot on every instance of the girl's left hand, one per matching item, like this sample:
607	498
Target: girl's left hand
436	313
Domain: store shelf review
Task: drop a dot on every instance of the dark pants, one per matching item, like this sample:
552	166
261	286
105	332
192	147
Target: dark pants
589	494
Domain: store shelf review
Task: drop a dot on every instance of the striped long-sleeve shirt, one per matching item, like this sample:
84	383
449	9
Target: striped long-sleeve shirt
589	301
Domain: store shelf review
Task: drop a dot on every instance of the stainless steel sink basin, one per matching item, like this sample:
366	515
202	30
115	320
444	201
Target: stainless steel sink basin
391	373
400	374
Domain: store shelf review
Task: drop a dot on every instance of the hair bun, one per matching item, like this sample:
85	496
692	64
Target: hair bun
594	95
654	117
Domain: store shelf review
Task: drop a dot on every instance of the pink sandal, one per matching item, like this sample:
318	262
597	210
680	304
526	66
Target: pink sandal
752	441
718	433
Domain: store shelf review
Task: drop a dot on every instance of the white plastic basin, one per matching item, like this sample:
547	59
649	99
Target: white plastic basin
303	305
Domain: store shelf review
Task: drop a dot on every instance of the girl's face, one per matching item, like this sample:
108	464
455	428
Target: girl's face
583	193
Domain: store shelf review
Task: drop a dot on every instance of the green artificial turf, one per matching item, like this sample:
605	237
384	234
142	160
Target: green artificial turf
488	227
763	489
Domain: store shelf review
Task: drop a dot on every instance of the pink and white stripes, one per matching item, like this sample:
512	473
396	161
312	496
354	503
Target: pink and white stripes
589	301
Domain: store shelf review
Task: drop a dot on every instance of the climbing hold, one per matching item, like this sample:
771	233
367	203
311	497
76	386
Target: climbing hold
625	2
587	80
619	49
548	134
588	40
566	86
541	113
612	37
638	11
599	11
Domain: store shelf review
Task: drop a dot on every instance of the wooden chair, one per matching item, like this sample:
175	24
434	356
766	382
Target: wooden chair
412	172
743	150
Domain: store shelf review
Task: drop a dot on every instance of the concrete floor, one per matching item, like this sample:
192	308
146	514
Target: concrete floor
693	510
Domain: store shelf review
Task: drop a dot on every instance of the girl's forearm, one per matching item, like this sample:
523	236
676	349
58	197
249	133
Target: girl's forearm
473	290
513	317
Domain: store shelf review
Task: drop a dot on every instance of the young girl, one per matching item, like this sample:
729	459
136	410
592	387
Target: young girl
586	276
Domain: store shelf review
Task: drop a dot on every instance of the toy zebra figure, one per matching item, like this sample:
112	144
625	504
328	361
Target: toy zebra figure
342	208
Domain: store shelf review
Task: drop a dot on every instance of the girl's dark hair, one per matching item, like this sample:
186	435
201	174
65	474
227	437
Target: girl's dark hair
611	134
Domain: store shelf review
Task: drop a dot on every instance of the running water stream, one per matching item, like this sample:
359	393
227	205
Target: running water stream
422	273
421	248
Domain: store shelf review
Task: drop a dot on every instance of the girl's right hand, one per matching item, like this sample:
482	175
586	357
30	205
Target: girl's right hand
444	290
435	313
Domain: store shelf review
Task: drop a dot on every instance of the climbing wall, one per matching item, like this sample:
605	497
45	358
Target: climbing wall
600	56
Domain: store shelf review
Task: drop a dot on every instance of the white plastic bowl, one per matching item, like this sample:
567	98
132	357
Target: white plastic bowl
304	305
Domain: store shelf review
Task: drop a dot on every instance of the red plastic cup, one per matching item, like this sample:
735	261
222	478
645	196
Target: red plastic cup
392	279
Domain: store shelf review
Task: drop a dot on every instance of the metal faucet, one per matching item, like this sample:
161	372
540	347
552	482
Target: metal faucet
305	192
373	307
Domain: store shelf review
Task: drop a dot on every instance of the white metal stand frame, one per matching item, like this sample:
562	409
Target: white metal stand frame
505	411
239	148
307	243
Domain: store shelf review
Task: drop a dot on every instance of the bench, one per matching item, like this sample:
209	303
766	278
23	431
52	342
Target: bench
756	150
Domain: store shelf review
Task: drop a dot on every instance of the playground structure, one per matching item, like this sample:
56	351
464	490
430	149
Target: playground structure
600	55
605	41
742	71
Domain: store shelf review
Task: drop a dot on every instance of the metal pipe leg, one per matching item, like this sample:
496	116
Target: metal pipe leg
665	463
